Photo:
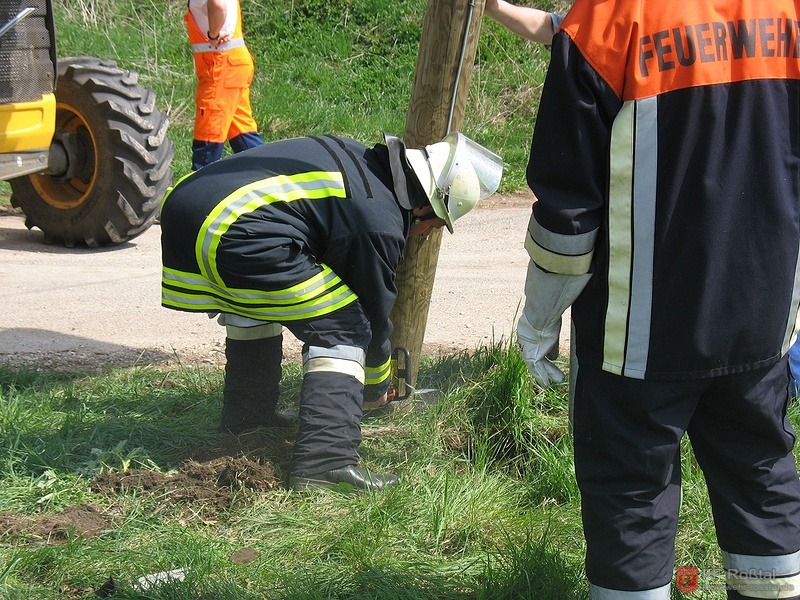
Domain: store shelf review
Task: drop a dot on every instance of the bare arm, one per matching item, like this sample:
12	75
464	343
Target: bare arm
217	12
530	23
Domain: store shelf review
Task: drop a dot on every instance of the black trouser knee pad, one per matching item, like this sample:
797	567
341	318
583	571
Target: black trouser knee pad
330	423
252	381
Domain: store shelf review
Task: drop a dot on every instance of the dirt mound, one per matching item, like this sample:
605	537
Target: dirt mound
76	521
211	477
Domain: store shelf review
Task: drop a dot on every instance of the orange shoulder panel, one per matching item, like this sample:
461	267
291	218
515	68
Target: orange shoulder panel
649	47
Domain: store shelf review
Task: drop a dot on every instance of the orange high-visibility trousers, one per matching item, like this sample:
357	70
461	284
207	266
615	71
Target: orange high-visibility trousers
222	99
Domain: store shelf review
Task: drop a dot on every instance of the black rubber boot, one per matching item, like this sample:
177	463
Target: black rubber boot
353	478
252	377
329	431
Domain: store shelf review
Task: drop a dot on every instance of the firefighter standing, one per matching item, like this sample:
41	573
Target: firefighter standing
666	163
307	233
224	69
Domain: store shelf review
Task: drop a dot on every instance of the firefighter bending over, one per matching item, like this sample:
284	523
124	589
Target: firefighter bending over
307	233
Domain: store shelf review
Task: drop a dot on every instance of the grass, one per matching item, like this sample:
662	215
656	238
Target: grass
322	66
487	507
468	521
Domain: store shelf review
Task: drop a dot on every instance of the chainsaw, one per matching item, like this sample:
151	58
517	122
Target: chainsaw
400	386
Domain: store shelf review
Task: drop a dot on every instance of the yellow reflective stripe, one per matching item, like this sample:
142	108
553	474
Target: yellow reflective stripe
306	291
557	263
619	240
320	295
206	302
379	374
211	302
312	185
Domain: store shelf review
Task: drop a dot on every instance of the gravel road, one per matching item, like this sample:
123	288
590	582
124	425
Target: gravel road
87	309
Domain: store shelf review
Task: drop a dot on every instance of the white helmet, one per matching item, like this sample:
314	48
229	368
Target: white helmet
455	173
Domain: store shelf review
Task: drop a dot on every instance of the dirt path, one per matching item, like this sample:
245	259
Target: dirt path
81	308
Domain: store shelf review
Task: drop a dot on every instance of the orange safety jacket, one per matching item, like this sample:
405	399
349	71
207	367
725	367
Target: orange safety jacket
224	75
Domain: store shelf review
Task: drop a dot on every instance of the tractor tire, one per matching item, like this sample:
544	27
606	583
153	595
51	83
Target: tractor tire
118	157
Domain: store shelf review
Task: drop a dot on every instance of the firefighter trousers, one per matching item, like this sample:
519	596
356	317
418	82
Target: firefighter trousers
331	396
627	435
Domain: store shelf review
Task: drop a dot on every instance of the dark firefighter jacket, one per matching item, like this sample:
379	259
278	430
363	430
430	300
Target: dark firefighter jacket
289	231
682	148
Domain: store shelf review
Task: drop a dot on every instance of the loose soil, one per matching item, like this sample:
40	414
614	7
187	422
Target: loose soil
237	468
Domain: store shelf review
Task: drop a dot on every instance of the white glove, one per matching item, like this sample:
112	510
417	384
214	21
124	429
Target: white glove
535	345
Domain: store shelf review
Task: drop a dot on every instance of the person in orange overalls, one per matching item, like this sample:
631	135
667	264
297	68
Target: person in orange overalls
224	68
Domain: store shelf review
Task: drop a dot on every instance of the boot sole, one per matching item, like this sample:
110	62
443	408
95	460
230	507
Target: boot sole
304	484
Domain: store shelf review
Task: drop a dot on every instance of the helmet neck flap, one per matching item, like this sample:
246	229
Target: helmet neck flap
451	175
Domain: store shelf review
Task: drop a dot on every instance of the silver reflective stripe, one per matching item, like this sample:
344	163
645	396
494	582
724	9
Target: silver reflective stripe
558	253
793	324
763	576
631	209
599	593
343	352
573	374
570	245
257	332
334	365
346	360
764	587
644	225
225	319
204	47
787	564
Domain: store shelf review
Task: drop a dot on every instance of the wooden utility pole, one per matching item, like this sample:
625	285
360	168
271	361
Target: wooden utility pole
439	95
